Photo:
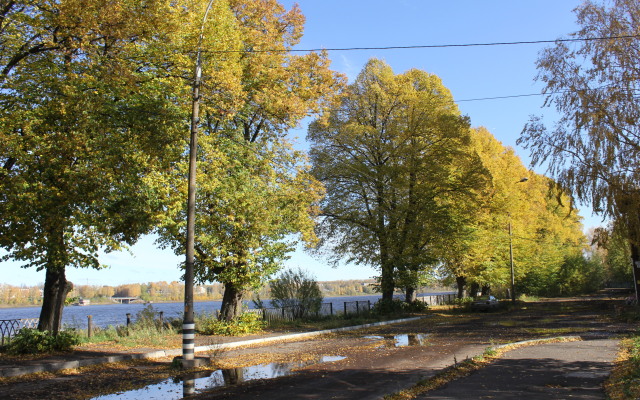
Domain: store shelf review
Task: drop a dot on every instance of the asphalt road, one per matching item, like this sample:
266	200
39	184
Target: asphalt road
568	370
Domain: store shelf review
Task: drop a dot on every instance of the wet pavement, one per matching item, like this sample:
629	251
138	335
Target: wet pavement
567	370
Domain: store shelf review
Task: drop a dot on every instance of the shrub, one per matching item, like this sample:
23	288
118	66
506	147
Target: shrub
397	306
464	303
33	341
245	324
147	318
298	291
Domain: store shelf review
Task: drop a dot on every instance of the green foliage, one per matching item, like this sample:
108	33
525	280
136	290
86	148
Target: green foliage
297	291
245	324
393	154
33	341
255	195
397	306
146	318
533	216
464	303
575	275
611	246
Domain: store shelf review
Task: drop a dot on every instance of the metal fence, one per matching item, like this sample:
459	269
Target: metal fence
9	327
439	299
293	312
348	308
356	307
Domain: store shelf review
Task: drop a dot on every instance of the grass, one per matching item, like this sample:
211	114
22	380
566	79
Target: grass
135	336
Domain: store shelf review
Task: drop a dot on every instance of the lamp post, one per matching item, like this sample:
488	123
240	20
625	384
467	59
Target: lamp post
513	279
188	323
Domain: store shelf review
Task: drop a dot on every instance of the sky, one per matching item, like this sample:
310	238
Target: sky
470	73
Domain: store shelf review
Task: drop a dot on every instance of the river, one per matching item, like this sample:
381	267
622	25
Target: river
104	315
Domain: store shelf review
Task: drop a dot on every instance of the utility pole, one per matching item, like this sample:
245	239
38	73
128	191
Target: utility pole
188	323
513	279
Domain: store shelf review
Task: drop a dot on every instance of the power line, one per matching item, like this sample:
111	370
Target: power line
542	94
507	97
429	46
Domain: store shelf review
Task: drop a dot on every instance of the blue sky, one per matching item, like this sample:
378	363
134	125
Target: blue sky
469	72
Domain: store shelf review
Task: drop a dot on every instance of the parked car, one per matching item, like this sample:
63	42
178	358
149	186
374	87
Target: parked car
485	303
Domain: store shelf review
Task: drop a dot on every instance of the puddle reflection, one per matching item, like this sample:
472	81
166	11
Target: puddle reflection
176	388
402	340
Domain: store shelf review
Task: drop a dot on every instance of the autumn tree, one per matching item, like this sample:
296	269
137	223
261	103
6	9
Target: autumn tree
255	193
475	254
537	222
593	84
391	155
89	109
611	246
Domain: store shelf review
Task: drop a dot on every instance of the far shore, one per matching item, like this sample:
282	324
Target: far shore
102	303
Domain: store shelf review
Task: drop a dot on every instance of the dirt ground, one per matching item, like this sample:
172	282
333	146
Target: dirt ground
362	364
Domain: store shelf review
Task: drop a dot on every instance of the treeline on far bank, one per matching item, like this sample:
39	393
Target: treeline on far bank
164	291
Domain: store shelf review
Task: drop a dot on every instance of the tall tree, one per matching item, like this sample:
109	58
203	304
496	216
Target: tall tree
391	155
539	224
254	190
593	149
88	112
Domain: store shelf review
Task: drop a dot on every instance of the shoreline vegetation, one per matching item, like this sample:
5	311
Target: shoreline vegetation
169	292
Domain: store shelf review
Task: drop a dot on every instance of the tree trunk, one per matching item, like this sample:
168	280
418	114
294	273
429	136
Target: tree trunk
635	262
410	295
461	282
387	283
56	288
473	290
486	289
231	302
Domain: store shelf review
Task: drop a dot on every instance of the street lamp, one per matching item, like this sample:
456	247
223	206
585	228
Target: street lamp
513	279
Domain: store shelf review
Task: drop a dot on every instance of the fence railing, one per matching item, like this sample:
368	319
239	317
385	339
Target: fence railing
358	307
439	299
9	327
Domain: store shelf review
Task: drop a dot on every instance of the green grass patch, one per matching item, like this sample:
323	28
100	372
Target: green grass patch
134	337
247	323
33	341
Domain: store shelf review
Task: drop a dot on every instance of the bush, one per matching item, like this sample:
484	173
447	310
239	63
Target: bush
33	341
397	306
297	291
464	303
245	324
147	318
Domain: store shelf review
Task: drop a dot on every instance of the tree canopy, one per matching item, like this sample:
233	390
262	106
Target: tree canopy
91	106
391	155
593	84
255	193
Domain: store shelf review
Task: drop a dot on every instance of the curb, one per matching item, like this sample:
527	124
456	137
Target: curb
56	366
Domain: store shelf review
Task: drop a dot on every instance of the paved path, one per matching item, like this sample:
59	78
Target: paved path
568	370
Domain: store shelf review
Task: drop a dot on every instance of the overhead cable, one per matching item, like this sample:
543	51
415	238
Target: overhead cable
429	46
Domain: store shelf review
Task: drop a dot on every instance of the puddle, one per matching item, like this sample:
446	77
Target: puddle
174	388
403	340
324	359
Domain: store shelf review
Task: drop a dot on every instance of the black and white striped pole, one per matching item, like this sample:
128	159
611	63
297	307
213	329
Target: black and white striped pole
188	324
